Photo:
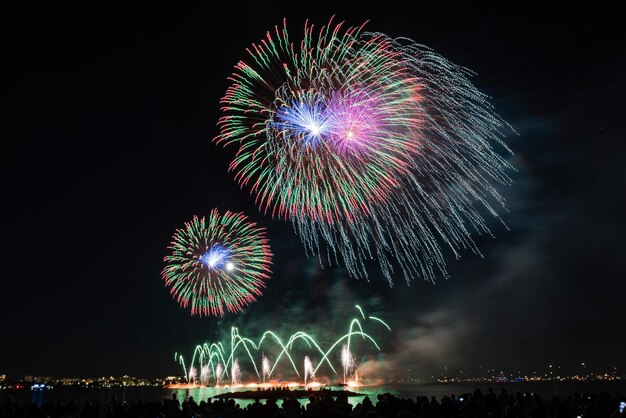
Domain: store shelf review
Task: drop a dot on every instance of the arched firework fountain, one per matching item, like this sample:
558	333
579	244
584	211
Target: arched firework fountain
216	363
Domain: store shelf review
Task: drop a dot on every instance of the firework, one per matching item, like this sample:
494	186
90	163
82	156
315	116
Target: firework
192	374
219	362
265	368
235	373
217	264
373	147
347	361
205	374
219	373
309	371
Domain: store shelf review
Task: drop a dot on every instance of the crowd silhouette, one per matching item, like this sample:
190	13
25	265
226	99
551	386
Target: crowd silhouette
476	404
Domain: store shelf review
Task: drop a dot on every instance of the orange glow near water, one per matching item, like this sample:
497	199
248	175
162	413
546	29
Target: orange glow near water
274	384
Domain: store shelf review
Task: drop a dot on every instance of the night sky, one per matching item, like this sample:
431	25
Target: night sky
107	128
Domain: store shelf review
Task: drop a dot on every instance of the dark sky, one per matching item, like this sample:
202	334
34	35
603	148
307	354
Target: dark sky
107	127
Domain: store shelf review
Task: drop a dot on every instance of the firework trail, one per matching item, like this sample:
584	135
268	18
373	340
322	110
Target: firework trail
219	372
217	264
309	371
373	147
347	361
235	373
192	375
265	368
205	374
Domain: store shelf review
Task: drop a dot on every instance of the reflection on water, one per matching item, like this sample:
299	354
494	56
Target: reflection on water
404	391
37	397
204	393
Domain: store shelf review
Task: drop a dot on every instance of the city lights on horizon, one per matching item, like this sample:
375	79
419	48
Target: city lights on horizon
489	376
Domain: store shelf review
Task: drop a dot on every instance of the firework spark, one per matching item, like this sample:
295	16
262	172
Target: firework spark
373	147
217	264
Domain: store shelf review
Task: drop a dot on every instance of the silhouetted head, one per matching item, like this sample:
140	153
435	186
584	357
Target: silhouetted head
371	414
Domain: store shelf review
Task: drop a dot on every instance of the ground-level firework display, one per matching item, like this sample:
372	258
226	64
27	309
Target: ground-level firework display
374	147
212	363
217	264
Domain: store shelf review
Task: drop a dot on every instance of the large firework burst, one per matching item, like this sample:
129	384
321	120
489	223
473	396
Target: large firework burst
217	264
375	148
